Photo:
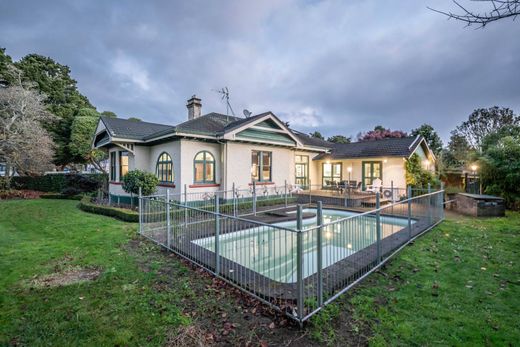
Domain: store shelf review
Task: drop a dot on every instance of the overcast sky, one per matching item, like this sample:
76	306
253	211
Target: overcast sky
337	66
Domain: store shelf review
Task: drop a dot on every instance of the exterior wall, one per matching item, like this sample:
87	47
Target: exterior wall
189	149
393	170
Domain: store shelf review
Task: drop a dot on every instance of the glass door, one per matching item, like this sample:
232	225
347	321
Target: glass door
371	171
331	174
302	170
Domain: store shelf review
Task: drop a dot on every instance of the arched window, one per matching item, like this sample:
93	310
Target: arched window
204	168
164	168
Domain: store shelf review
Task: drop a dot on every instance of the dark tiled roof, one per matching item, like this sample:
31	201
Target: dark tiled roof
308	140
242	121
134	130
395	147
211	124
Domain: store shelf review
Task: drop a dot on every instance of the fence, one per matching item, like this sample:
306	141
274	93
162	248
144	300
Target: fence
297	265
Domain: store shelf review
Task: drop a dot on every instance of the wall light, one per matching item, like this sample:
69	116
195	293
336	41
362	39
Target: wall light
349	169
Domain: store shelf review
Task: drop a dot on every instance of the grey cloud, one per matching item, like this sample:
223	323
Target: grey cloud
341	66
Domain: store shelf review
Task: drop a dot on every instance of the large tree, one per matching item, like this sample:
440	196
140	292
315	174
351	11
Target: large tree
317	134
82	131
380	133
430	135
63	98
339	139
24	143
485	121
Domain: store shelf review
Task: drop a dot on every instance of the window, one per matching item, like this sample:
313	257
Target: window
302	170
331	174
204	168
164	168
123	164
371	171
261	166
113	166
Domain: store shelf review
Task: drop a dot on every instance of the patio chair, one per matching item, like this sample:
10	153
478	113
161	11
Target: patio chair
375	186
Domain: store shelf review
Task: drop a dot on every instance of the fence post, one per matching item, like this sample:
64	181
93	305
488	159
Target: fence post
168	221
217	235
410	211
392	190
429	204
254	198
185	206
299	260
378	226
234	200
140	211
285	188
442	200
320	253
310	194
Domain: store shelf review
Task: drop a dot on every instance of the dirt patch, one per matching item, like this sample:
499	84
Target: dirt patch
66	277
222	315
189	336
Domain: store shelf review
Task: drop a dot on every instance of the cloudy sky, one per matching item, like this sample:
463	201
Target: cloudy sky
338	66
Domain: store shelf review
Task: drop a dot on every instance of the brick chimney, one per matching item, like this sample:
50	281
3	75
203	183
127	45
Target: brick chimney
194	106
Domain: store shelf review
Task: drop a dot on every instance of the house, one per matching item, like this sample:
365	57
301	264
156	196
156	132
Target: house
216	152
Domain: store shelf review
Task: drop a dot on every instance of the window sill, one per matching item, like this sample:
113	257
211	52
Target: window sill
114	182
262	183
166	184
204	185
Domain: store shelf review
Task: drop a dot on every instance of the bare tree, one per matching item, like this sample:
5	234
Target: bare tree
24	144
498	9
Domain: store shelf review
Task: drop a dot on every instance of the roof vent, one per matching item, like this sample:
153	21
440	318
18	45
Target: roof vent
194	106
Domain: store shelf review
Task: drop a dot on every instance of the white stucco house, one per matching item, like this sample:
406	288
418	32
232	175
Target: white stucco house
214	151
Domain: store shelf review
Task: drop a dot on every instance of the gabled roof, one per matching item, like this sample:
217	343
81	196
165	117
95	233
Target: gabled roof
393	147
133	130
211	124
308	140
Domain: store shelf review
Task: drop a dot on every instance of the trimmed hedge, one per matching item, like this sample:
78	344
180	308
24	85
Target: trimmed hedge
58	183
118	213
61	196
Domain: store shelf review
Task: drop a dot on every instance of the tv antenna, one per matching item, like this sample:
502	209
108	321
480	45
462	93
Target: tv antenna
247	113
225	96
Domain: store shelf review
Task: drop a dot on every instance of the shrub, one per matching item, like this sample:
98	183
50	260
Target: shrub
418	177
56	183
136	179
119	213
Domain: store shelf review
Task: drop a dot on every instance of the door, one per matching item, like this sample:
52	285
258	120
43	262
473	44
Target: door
331	174
371	171
302	170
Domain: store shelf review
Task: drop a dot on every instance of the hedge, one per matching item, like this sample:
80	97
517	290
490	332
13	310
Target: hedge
57	183
61	196
119	213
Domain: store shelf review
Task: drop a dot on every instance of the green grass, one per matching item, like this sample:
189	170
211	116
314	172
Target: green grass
457	285
119	308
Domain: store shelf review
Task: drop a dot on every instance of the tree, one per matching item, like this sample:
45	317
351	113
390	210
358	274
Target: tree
80	145
24	143
317	135
380	133
416	175
134	119
339	139
136	179
458	152
498	9
109	114
431	137
6	73
484	121
500	170
63	98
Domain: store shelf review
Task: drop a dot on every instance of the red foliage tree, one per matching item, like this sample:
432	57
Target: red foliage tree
380	133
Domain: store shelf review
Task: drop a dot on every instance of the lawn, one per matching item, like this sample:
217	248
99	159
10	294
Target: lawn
457	285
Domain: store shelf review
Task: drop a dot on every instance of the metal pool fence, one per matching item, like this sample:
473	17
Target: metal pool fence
295	267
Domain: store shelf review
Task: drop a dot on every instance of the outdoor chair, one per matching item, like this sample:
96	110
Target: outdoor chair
375	186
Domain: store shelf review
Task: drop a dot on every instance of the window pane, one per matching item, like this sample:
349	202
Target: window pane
200	156
327	170
199	172
209	172
266	157
266	173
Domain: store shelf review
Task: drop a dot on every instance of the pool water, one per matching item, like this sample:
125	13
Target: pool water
272	252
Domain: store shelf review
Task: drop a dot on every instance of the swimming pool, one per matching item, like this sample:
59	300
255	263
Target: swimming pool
271	252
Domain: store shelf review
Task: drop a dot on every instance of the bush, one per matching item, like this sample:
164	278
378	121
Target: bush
136	179
119	213
61	196
416	176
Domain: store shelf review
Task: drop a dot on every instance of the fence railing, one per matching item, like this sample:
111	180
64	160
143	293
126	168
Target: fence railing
296	266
